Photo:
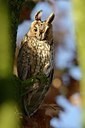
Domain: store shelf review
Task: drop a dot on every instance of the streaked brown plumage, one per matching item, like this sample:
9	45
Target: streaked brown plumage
35	58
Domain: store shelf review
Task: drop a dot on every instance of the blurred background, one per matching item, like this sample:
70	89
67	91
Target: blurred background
62	105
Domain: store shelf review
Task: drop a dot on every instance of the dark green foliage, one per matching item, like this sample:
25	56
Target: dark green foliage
9	89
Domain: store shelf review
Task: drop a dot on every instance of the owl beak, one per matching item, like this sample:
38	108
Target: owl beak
41	38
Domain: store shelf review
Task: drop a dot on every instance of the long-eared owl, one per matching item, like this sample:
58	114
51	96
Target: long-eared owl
35	59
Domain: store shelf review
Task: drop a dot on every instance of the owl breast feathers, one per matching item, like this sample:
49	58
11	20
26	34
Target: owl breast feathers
36	56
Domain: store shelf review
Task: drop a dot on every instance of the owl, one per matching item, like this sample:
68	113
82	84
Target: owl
35	62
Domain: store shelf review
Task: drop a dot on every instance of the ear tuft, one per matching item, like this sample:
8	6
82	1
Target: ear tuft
38	15
50	18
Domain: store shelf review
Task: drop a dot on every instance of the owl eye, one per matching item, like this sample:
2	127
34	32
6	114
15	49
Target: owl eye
35	29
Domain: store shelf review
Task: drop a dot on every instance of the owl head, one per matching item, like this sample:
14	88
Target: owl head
42	30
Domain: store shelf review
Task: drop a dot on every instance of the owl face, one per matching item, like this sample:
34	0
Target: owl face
41	29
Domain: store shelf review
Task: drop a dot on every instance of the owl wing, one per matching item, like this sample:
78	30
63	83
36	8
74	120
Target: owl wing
33	99
23	66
